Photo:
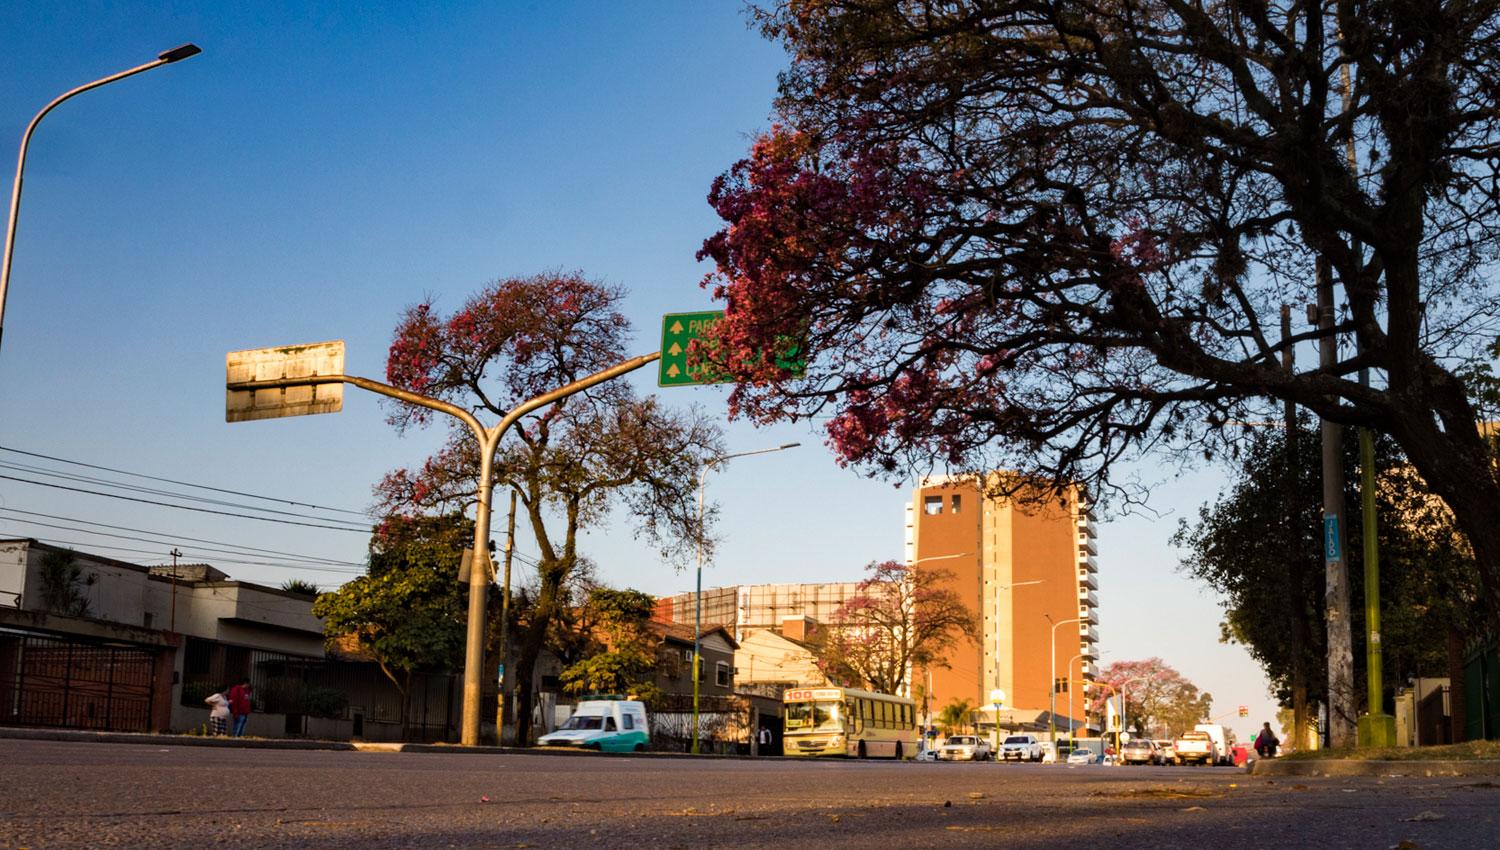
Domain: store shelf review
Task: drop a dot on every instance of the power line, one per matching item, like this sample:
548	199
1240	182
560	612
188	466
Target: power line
171	541
133	488
277	565
183	507
169	537
181	483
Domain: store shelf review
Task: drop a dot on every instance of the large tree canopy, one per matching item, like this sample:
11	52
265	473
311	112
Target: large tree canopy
1051	235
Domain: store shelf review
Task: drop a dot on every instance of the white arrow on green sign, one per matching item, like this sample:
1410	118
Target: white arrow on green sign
678	330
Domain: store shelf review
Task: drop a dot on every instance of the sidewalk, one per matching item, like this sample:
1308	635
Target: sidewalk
1373	767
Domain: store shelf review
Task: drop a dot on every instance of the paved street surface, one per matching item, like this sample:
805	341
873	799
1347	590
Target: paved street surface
108	795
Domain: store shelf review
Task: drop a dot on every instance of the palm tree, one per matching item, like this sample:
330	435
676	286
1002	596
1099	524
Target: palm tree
302	586
955	715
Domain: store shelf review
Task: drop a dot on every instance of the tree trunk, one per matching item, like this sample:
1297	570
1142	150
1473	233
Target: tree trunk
535	639
1457	708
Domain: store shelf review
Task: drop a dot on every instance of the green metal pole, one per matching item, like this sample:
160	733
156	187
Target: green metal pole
1376	728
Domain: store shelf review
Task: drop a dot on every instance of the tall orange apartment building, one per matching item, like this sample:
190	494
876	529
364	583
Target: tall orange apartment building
1025	571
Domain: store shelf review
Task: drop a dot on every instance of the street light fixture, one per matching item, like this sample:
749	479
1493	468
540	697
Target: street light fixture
698	592
1052	686
998	590
164	58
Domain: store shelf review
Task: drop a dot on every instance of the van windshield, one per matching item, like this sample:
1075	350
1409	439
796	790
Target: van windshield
584	721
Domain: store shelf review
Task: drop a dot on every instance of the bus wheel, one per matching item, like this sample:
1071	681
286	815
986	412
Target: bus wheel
861	749
898	751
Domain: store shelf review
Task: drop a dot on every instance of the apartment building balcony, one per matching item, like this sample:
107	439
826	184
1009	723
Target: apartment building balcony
1088	670
1087	579
1088	633
1088	615
1087	526
1087	562
1087	544
1087	597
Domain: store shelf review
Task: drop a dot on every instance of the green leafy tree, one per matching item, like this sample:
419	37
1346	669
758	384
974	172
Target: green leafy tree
623	654
1259	545
409	612
64	584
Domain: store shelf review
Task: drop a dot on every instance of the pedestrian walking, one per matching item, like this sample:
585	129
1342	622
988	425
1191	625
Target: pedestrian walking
218	713
1266	742
765	741
239	706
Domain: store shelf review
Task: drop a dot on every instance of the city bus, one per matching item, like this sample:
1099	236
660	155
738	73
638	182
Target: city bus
848	722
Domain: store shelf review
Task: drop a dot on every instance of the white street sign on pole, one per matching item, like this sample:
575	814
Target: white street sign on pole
317	360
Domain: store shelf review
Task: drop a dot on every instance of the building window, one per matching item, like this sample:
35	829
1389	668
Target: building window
722	674
932	505
957	502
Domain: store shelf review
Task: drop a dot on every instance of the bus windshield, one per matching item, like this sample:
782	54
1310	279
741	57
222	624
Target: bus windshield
813	716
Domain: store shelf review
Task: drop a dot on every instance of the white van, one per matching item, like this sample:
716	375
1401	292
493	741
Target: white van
607	725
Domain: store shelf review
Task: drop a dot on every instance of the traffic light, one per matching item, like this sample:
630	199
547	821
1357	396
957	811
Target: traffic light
1244	711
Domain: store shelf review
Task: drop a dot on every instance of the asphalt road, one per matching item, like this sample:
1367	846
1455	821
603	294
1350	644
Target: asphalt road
55	795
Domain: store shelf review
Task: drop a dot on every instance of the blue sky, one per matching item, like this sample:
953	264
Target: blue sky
318	169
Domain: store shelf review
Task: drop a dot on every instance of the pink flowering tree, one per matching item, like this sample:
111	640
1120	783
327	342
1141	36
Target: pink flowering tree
1159	701
1051	236
570	463
899	618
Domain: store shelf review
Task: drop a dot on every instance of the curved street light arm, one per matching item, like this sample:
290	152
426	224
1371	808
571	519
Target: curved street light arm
166	57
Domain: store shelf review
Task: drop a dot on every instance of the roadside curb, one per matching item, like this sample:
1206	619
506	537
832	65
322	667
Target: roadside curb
152	739
76	735
1372	767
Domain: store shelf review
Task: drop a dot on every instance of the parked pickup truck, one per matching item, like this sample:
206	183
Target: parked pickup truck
1021	748
1196	748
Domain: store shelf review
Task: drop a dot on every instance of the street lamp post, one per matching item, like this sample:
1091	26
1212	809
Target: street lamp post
698	591
164	58
1072	723
998	590
1052	686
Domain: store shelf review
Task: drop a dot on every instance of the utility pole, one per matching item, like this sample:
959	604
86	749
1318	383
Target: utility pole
1341	716
1296	588
172	618
510	546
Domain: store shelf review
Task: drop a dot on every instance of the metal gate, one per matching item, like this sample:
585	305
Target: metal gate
51	681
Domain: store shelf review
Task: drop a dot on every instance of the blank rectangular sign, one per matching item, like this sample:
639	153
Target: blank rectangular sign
284	364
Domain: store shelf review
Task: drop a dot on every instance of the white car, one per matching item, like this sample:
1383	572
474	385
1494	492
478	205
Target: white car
964	748
1082	755
1021	748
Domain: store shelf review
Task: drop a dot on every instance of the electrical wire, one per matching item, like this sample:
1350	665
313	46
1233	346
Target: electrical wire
170	538
173	542
283	566
180	483
152	491
365	530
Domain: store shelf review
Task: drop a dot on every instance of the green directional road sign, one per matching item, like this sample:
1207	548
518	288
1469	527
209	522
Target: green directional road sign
678	330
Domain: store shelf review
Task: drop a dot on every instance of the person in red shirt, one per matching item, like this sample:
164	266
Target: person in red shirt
239	706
